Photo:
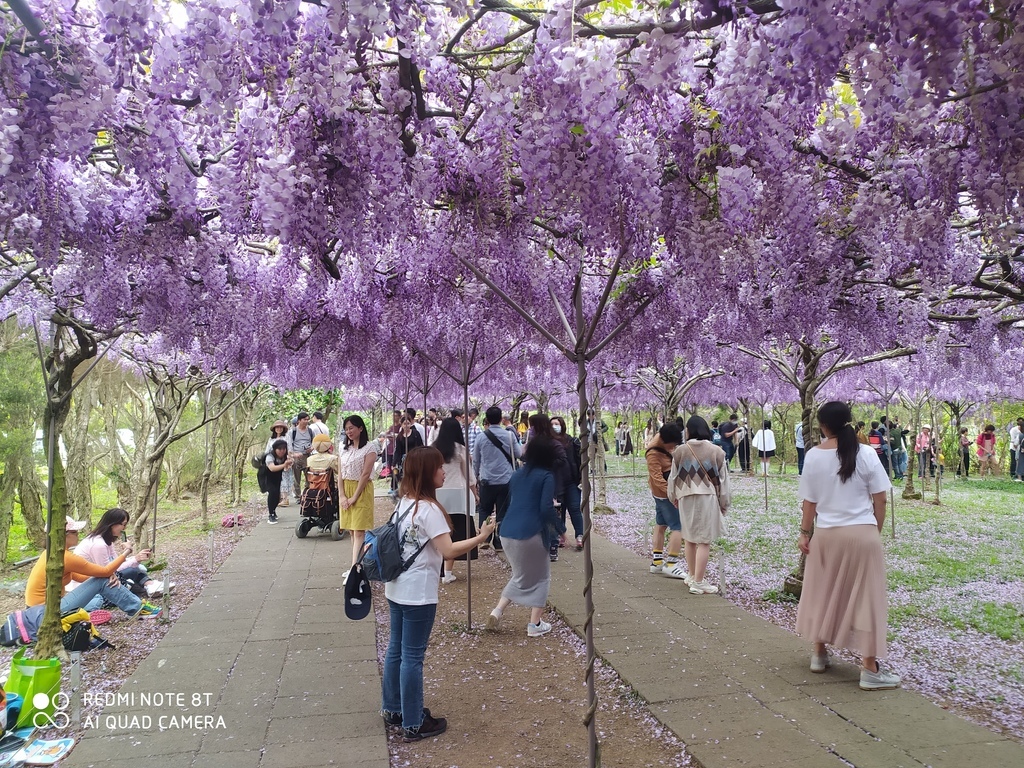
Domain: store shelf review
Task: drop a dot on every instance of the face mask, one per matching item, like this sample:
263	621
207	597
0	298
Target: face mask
557	428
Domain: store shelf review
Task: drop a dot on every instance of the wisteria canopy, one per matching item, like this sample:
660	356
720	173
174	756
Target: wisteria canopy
321	192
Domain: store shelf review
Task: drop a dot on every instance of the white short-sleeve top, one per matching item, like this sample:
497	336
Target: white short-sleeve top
840	503
418	585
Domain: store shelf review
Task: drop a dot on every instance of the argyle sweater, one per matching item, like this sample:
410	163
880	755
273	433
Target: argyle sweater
688	479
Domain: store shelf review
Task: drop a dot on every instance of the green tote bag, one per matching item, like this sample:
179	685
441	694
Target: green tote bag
37	681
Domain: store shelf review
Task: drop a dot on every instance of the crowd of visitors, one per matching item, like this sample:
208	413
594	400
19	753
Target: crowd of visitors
522	479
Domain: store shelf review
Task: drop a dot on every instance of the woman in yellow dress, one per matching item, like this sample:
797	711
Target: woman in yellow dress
356	502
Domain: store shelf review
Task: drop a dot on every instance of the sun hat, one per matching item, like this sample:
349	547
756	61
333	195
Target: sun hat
358	599
322	443
278	423
70	524
927	426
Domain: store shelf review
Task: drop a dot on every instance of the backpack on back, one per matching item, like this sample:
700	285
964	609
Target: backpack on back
382	553
22	627
259	463
319	479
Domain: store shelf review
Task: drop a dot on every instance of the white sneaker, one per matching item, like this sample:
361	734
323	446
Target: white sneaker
154	588
493	622
536	630
677	571
448	578
878	681
657	568
702	588
820	663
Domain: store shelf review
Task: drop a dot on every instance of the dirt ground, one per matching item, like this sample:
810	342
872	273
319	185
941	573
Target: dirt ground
514	701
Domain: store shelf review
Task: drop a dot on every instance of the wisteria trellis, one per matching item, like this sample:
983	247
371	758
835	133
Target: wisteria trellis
295	188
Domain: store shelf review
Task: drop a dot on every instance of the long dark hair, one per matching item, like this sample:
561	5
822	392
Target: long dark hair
449	434
104	528
697	429
541	425
364	438
418	472
838	418
541	452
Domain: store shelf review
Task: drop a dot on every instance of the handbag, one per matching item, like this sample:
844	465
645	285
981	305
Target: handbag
79	636
28	678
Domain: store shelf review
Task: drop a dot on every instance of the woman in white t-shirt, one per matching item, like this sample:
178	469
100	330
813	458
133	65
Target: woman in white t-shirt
452	494
412	597
764	442
844	592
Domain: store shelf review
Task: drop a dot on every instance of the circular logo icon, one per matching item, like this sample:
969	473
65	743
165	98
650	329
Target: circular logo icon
59	719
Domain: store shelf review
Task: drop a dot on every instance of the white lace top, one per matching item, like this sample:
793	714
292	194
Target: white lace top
352	459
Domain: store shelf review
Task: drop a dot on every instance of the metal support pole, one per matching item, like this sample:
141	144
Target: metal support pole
76	688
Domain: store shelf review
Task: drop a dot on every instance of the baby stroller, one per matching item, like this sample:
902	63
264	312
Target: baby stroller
319	505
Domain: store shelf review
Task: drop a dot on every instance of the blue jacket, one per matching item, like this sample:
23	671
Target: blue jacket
531	506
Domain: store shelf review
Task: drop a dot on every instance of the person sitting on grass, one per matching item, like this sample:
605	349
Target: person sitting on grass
98	547
96	580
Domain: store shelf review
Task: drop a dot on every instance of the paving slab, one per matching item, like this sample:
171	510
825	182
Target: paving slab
287	680
737	689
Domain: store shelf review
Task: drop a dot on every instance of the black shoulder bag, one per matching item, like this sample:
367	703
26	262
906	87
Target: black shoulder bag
500	447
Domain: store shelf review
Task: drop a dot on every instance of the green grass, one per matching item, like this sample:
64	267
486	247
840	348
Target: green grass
1005	621
949	563
104	497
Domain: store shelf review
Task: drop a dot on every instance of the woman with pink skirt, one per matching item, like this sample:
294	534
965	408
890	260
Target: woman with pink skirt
844	593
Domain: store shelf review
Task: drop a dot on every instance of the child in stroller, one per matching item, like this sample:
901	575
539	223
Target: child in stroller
319	504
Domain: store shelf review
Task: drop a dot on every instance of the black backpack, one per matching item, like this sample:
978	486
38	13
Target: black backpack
382	555
79	636
259	463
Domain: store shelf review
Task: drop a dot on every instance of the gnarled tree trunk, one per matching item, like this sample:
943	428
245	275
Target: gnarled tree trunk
76	438
30	495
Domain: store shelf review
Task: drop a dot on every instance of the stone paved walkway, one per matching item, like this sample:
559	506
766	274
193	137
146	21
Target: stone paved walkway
295	681
737	689
297	684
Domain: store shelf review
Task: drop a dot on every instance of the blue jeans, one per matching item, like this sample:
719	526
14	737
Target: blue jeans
666	513
729	448
800	460
899	463
572	499
135	573
82	595
402	682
